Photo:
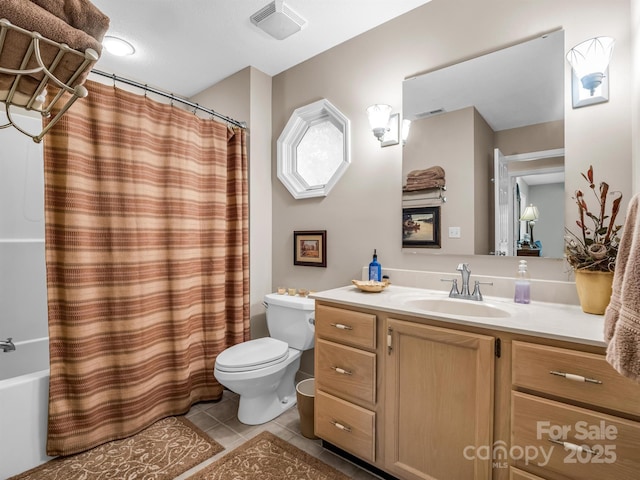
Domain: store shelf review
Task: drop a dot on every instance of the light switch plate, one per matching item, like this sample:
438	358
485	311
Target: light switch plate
454	232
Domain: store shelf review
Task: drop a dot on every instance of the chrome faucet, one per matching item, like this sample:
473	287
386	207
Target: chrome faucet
7	345
465	271
464	294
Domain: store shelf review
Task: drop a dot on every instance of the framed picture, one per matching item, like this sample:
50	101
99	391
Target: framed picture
310	248
421	227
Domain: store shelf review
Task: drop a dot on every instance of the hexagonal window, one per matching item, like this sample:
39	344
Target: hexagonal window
313	150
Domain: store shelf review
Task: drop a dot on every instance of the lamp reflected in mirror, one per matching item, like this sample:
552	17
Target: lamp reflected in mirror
530	215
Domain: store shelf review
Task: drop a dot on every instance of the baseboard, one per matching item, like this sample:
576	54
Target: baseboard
356	461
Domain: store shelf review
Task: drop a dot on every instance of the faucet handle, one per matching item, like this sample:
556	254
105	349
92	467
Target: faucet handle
454	285
463	267
477	295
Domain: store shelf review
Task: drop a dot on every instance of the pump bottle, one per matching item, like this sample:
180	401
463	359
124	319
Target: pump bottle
523	284
375	269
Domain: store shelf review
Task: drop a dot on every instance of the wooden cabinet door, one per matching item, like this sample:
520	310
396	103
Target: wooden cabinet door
438	402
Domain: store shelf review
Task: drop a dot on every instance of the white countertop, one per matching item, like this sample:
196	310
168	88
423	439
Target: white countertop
548	320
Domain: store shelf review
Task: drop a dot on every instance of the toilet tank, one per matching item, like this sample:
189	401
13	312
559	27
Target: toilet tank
291	319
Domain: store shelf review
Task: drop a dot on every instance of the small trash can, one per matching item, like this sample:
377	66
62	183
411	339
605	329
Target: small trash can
305	393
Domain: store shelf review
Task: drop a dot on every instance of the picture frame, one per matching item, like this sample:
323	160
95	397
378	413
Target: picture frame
310	248
421	227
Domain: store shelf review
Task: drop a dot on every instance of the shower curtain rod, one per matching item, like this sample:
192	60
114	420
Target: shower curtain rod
171	96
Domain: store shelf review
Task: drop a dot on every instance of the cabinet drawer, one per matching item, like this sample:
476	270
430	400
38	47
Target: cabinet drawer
533	364
348	426
346	326
537	420
346	371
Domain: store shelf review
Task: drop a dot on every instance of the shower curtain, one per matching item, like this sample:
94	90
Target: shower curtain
146	213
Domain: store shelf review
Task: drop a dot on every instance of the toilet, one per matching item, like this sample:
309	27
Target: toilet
262	371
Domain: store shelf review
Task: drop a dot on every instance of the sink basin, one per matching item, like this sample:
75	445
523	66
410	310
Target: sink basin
458	307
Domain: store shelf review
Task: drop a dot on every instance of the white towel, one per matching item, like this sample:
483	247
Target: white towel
622	317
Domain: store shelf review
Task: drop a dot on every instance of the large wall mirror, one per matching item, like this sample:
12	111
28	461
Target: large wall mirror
495	124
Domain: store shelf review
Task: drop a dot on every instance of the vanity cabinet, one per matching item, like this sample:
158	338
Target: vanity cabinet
438	401
406	397
346	368
574	413
431	399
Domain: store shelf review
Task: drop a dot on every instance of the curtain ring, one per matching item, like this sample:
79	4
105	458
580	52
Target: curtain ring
113	77
146	89
195	109
172	97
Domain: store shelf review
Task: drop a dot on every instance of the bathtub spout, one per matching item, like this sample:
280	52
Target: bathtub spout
7	345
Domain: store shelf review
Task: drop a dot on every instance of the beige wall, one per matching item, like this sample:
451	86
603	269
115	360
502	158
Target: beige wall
363	211
533	138
443	140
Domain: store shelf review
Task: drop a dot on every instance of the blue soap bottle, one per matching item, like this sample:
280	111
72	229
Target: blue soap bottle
375	269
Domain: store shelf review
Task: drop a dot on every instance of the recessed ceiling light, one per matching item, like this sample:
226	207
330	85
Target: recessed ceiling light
118	46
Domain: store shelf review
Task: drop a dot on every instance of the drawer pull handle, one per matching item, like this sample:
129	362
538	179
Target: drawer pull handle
574	377
341	326
573	447
342	371
339	426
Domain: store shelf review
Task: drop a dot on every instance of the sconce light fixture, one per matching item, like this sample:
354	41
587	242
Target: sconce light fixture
590	61
406	126
530	215
379	116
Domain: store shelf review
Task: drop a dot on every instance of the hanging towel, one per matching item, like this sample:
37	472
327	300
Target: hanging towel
622	317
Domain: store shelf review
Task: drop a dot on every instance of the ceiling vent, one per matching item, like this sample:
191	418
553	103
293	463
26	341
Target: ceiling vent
430	113
278	20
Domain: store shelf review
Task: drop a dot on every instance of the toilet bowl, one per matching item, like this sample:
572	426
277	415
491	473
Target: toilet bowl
262	371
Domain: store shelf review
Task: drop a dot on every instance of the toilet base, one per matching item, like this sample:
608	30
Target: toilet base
255	411
267	397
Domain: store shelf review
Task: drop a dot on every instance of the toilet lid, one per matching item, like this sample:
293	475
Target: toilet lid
251	355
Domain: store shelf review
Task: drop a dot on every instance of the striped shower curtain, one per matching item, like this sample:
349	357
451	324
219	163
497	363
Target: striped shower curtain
147	263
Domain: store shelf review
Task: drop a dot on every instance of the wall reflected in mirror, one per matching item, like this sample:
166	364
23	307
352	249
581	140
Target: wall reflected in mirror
512	100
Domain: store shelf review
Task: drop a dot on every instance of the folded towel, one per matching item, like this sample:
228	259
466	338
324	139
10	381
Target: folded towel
80	14
414	185
30	16
432	177
429	173
622	316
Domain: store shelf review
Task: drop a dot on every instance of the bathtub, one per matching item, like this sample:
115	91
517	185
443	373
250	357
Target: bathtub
24	397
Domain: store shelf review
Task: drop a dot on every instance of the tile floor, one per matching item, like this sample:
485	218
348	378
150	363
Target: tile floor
220	422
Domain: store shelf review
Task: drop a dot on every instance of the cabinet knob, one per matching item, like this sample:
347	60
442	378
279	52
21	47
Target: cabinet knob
342	371
573	447
341	326
575	378
340	426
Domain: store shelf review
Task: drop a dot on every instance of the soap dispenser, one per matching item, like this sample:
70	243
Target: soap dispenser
375	269
523	284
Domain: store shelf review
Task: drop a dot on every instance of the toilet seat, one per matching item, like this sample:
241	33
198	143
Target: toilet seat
252	355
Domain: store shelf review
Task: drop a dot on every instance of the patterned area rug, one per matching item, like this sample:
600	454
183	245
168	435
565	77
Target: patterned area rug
163	451
267	457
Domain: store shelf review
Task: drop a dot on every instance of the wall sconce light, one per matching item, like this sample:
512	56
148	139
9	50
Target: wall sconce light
379	116
530	215
406	126
589	62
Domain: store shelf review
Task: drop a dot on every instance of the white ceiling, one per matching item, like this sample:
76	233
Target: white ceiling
185	46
